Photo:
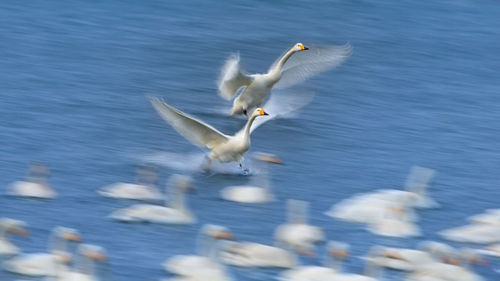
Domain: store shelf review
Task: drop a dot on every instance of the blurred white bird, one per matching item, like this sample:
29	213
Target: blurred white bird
259	188
223	148
336	253
144	189
296	233
207	259
285	72
46	264
394	222
35	185
174	212
10	226
84	269
455	267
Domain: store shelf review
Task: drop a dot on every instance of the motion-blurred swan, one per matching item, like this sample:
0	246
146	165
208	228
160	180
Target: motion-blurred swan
46	264
371	271
259	190
84	269
35	185
296	233
368	207
207	257
8	226
175	212
223	148
144	189
411	259
394	223
453	268
285	72
336	253
473	233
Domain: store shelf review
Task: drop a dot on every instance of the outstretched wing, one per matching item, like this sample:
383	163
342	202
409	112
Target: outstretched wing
305	64
232	78
283	104
194	130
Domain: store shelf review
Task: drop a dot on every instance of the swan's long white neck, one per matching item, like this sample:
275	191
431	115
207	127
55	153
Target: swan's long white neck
205	244
3	233
87	265
371	268
276	71
248	126
333	262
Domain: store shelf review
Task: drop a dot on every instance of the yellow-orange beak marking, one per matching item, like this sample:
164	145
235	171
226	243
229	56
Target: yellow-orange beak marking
262	112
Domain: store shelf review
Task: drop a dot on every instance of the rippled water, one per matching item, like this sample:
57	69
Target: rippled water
421	88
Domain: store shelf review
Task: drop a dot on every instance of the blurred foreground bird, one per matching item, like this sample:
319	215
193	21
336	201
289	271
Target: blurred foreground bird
285	72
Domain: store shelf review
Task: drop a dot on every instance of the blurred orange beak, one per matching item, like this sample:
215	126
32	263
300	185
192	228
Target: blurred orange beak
97	256
223	235
270	159
20	231
72	237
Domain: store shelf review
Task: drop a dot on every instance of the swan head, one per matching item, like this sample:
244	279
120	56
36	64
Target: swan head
338	249
93	252
69	234
259	112
183	183
217	232
299	47
14	226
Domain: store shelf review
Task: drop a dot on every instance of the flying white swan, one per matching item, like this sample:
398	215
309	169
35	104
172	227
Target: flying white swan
8	226
84	269
174	212
223	148
296	233
207	257
259	189
35	185
285	72
46	264
144	189
335	254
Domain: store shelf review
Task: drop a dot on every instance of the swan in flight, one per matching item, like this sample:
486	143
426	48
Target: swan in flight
394	223
296	233
12	226
223	148
207	258
144	189
35	185
84	269
285	72
174	212
46	264
336	253
259	190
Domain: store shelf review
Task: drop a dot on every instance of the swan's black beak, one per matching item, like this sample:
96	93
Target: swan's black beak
265	113
305	48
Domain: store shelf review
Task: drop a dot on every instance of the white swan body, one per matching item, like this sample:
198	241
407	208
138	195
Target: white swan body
223	148
490	216
207	260
35	185
173	213
125	190
7	226
394	223
45	264
144	189
250	254
473	233
296	233
285	71
443	272
411	259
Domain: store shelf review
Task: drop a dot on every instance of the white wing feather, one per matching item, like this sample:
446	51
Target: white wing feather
232	78
305	64
194	130
282	104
